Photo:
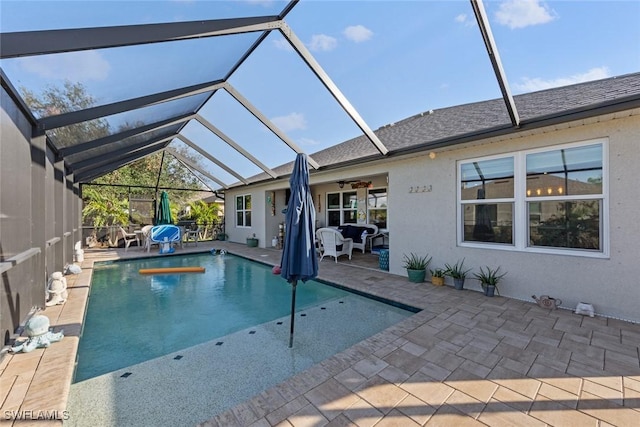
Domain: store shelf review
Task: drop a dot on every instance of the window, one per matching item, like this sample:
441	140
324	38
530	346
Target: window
547	200
487	193
342	208
377	207
243	211
565	198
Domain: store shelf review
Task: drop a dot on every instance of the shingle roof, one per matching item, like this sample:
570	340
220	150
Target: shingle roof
463	123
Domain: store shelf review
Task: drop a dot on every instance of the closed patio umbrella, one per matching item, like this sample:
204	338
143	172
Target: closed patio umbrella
483	229
163	214
299	261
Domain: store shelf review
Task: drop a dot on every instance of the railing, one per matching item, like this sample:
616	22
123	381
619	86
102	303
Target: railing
18	259
108	235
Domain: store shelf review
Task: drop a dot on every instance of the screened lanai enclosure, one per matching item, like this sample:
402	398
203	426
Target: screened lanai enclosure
161	102
121	101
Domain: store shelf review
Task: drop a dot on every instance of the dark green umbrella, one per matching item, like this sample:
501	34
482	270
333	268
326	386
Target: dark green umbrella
163	215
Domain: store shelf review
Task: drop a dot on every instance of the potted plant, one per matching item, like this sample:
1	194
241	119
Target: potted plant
437	276
252	241
222	236
489	280
458	273
416	266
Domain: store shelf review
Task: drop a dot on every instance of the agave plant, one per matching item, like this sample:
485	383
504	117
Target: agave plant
489	277
457	270
416	262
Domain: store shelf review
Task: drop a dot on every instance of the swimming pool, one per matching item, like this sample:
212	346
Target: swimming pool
132	318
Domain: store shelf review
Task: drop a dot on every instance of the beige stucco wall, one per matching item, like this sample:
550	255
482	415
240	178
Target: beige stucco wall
425	222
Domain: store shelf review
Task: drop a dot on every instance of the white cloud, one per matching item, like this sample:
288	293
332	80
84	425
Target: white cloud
293	121
74	66
282	44
535	84
464	20
523	13
322	42
306	142
358	33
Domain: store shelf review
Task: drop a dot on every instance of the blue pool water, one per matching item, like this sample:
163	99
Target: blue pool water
132	318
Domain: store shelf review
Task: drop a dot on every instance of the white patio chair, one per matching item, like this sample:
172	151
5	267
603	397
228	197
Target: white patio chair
146	235
128	238
333	243
192	233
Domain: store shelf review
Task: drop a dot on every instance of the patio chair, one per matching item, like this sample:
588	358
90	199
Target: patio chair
128	238
146	235
334	243
192	233
356	232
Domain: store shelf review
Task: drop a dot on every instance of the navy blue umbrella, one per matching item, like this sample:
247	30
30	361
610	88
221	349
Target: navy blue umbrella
299	260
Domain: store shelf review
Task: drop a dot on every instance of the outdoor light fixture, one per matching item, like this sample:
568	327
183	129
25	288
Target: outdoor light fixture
341	184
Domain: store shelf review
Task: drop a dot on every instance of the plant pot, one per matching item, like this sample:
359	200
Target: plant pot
252	242
222	237
437	281
489	290
416	276
458	283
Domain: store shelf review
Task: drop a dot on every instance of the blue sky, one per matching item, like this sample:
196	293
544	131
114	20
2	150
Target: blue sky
391	59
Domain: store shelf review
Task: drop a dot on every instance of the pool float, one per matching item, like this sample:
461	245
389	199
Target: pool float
171	270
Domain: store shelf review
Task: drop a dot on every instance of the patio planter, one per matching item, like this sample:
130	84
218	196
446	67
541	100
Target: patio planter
416	276
489	290
437	281
252	242
458	283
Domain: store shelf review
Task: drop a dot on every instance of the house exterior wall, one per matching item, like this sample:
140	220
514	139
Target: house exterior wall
425	221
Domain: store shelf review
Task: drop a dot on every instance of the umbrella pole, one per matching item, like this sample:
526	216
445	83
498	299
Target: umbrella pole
293	310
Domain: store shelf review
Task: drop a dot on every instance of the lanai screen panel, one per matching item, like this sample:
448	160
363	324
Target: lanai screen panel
116	123
203	163
132	142
218	148
301	107
48	15
239	124
116	74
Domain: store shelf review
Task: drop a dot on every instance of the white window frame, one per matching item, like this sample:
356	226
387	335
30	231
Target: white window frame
379	209
342	208
520	214
244	210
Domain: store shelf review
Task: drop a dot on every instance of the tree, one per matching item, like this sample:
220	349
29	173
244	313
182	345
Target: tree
103	210
205	214
156	169
72	97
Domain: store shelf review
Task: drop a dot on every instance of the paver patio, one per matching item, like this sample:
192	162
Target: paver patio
465	359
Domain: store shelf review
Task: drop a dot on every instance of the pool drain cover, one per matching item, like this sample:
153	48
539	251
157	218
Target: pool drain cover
125	375
220	343
178	357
